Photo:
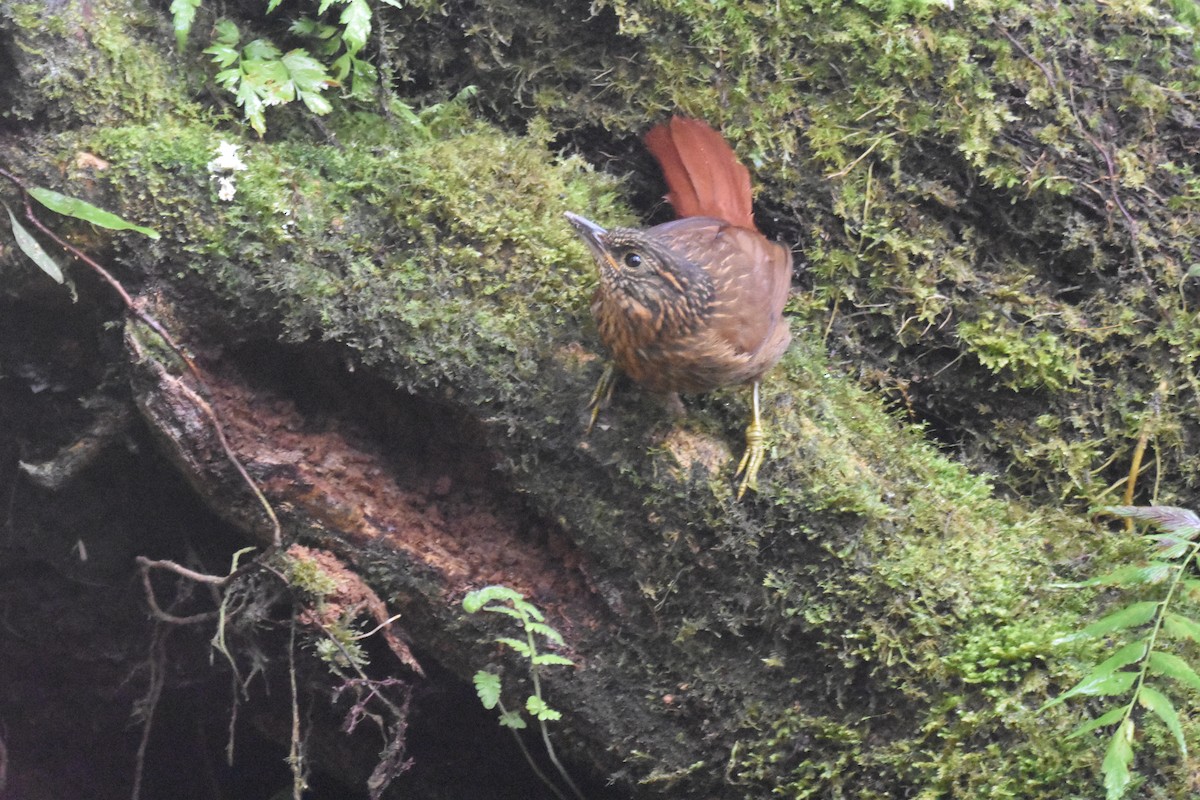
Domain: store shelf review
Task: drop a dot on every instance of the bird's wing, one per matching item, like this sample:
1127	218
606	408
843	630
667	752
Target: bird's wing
751	276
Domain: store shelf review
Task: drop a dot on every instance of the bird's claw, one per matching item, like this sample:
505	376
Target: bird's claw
602	394
756	448
752	459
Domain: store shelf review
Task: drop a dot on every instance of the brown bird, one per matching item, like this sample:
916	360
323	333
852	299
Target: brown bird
697	303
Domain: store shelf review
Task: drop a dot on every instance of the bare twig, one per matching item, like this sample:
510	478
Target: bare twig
157	660
295	751
1135	467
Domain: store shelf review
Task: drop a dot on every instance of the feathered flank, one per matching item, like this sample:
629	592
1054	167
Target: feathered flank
704	177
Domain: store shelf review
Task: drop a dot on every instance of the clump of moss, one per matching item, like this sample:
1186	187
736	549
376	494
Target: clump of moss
439	243
123	75
1021	359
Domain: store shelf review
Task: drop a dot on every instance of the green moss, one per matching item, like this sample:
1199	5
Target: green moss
935	165
123	74
436	243
1023	359
306	576
798	756
892	611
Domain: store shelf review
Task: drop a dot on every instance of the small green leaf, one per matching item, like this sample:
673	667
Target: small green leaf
1107	718
305	71
229	79
1117	760
307	26
537	708
1125	576
507	611
1158	571
1098	686
357	21
183	13
30	247
487	686
1167	519
512	719
1171	547
340	68
81	209
1181	627
315	103
363	78
1134	651
227	33
542	629
269	81
1129	617
1172	666
480	597
261	50
518	645
548	659
1157	702
252	106
530	609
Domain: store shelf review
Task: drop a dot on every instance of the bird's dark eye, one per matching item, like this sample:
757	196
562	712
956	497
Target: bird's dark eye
633	260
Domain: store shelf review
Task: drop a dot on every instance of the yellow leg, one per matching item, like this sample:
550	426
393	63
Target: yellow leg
755	450
602	393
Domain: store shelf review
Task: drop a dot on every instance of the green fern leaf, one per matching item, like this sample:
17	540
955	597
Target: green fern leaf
1130	653
537	707
548	659
487	686
476	600
1181	627
1097	686
1125	576
183	13
1172	666
1117	760
357	19
1107	718
512	719
516	644
1128	617
545	630
1156	701
1168	519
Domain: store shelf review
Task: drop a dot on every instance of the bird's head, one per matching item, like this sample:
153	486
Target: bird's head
638	267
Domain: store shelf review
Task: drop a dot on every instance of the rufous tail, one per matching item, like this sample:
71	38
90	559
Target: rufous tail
704	177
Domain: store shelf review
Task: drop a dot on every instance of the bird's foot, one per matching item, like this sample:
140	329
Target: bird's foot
602	394
756	448
752	459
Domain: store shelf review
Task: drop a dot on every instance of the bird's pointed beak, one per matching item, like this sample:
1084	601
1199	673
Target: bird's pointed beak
589	231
